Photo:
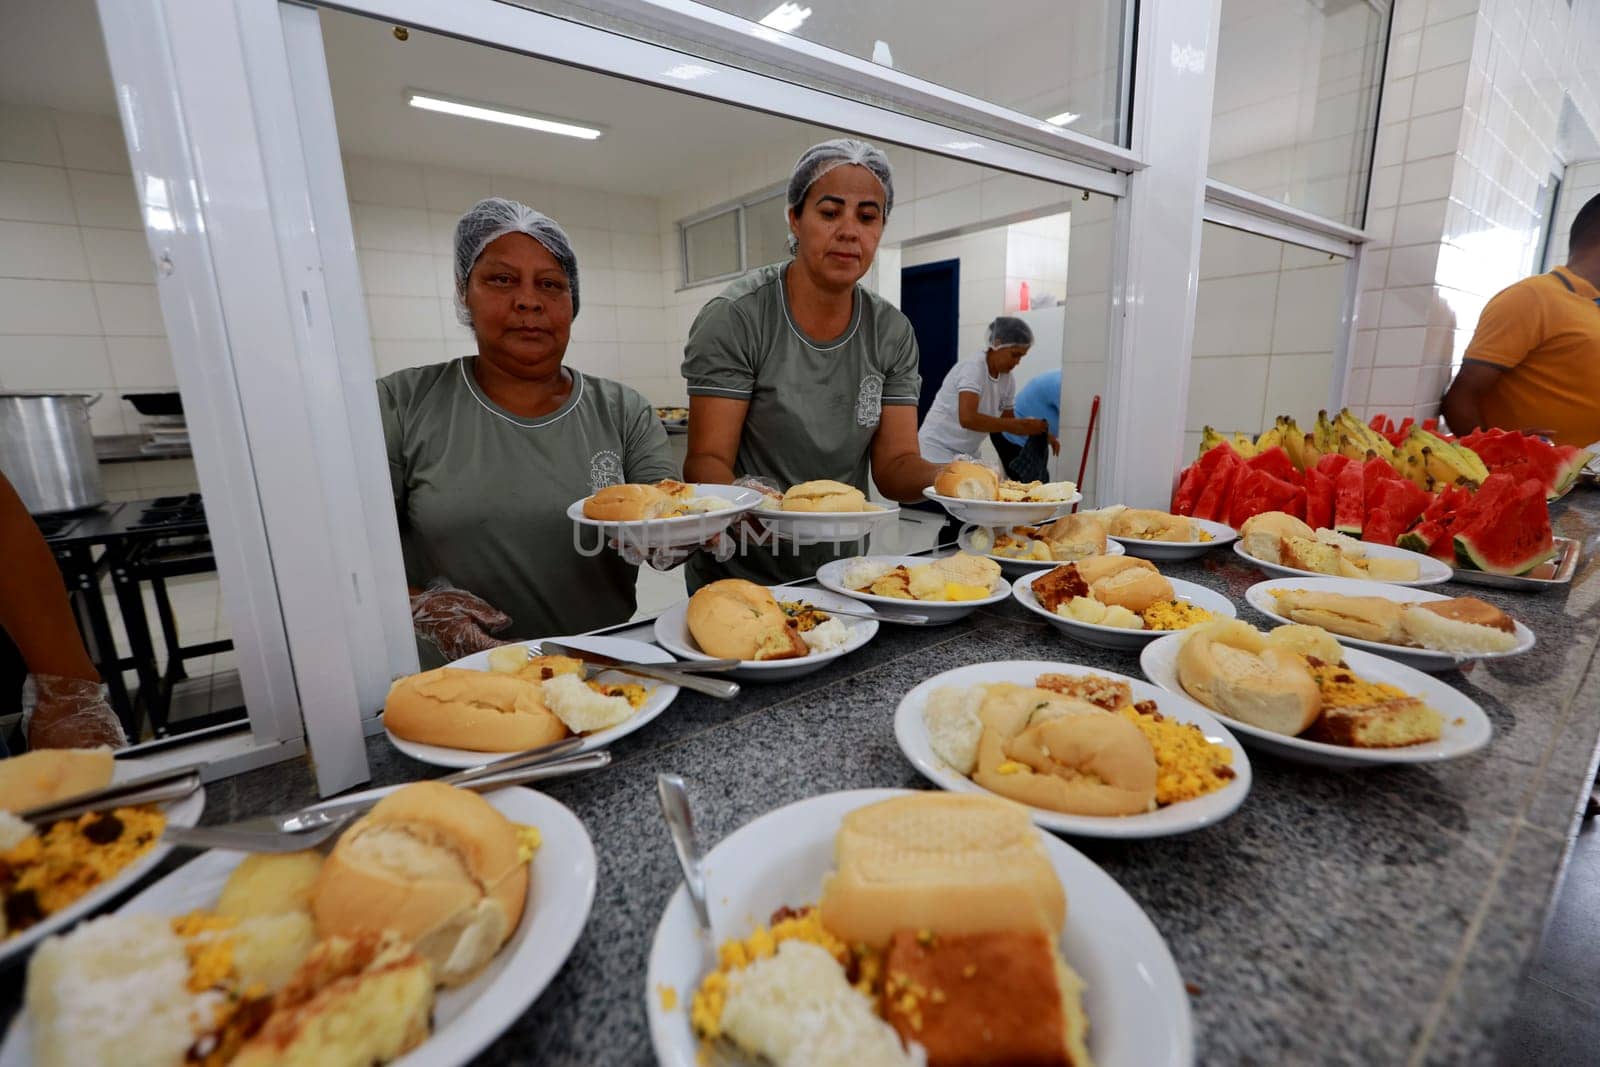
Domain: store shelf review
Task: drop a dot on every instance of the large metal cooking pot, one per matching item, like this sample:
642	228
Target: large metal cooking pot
47	451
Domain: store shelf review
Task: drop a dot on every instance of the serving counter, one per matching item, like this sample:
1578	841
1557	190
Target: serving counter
1378	916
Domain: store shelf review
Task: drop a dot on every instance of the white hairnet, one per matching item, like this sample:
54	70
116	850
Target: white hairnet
494	217
819	159
1007	330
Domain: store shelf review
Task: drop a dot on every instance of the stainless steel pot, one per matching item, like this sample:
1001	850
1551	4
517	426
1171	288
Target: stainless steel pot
47	451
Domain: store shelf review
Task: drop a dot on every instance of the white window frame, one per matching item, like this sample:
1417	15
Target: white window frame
228	115
740	208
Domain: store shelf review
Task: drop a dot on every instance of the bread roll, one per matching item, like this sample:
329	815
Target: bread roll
627	503
1147	525
1074	537
736	619
1464	624
1312	641
481	711
1124	581
1366	618
270	884
49	775
437	865
824	495
947	863
1263	535
966	569
965	480
1229	667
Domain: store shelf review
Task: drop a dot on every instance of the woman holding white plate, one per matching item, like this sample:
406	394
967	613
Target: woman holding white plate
487	451
797	372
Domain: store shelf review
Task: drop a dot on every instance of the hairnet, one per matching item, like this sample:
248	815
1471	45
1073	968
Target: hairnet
1008	330
494	217
819	159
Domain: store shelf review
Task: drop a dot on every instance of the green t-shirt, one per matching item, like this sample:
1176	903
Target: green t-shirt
814	405
482	494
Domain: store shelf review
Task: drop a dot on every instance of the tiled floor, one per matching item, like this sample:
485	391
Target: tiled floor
1557	1018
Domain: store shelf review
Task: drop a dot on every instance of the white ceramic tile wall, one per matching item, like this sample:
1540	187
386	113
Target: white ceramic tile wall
1467	134
1579	184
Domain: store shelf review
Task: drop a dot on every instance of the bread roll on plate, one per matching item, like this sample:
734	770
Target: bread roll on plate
1230	667
1366	618
1124	581
824	495
965	480
50	775
736	619
628	503
481	711
1463	624
437	865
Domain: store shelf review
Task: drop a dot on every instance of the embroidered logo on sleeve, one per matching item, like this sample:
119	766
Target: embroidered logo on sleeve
869	401
605	468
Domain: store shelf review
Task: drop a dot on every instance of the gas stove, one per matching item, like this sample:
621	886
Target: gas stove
175	514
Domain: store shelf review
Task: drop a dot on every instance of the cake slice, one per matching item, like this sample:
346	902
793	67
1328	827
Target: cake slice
1309	555
1390	724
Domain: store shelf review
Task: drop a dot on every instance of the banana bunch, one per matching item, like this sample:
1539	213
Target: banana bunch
1358	440
1240	442
1431	463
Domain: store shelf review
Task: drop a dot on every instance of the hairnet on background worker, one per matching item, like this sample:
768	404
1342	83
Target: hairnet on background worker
1008	331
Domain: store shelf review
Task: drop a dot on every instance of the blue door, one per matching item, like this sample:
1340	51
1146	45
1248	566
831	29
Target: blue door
930	296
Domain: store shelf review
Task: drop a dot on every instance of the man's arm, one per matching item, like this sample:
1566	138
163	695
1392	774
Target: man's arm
1462	407
33	599
898	469
716	424
970	419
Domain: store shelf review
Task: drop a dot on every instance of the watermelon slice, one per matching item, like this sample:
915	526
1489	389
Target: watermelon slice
1319	500
1187	494
1399	499
1421	537
1257	492
1508	535
1213	501
1349	500
1332	463
1570	462
1276	462
1382	527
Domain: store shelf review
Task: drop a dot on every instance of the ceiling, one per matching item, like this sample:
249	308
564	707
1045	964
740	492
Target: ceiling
52	55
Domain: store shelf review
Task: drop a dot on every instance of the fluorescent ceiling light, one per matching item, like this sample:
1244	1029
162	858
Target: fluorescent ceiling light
1064	118
786	17
688	72
500	115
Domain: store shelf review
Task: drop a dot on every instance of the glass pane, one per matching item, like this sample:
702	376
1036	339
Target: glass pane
1061	62
1296	101
1266	324
711	247
766	232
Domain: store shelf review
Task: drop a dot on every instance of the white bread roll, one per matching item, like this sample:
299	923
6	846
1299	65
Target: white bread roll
1367	618
1463	625
965	480
437	865
1229	667
736	619
627	503
1125	581
1263	535
824	495
481	711
944	862
49	775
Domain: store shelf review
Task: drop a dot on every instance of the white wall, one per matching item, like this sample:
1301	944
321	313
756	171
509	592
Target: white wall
1467	134
1579	184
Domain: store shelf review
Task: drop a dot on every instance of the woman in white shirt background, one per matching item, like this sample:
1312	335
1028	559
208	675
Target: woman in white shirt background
977	395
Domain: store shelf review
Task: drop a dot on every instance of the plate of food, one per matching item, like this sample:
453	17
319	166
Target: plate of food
776	633
1024	549
1096	754
942	589
435	921
1281	544
965	914
973	493
1117	601
668	514
1298	693
1418	627
1160	535
823	512
508	700
60	873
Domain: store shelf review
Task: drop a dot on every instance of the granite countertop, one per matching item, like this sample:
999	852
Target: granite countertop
1380	916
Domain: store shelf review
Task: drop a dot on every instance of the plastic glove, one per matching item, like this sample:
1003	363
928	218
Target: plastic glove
987	464
723	546
62	712
455	621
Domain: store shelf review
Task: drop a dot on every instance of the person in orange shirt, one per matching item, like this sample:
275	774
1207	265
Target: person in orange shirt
1534	361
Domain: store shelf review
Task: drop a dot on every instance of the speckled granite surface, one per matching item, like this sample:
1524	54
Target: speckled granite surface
1338	917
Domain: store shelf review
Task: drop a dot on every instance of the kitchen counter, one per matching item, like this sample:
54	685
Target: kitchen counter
1372	917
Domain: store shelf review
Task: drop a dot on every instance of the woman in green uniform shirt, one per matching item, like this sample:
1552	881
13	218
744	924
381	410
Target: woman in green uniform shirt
797	372
487	451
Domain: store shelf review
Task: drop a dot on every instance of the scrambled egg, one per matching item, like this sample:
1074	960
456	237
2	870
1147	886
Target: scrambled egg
705	1010
1187	765
632	692
1341	688
528	841
50	870
210	952
1174	615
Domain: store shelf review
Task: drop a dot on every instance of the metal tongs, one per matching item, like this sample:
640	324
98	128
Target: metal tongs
158	787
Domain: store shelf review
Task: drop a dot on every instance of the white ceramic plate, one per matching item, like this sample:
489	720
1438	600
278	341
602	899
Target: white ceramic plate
1429	570
465	1020
1002	512
672	634
1260	597
1013	567
657	698
679	532
825	527
1116	636
1466	727
911	730
185	812
1220	533
1135	1000
831	575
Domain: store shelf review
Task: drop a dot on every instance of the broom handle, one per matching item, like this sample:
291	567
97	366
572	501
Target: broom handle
1088	439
